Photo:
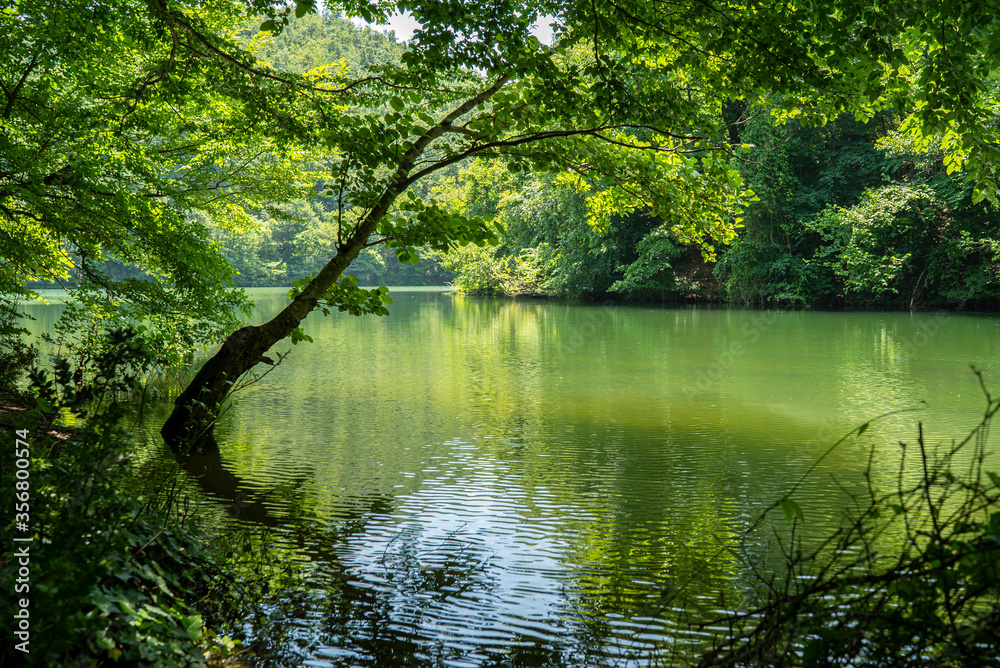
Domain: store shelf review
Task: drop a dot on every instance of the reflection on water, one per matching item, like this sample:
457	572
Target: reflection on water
475	482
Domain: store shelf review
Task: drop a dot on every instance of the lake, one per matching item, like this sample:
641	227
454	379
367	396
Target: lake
487	482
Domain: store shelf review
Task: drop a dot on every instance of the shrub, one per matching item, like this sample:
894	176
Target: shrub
115	567
15	355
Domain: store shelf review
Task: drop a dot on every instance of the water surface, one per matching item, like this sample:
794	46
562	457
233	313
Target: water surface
479	482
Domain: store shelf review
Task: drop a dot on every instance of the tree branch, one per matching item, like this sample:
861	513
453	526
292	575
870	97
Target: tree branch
13	94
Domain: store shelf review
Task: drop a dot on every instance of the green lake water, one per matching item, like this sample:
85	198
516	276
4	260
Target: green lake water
479	482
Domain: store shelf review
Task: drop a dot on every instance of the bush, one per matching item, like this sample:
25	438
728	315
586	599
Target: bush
481	272
15	355
879	248
652	272
115	567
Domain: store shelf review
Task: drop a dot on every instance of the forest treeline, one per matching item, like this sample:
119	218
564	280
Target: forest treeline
846	215
851	214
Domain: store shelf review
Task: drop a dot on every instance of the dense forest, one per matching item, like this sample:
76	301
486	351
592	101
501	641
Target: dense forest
845	215
851	214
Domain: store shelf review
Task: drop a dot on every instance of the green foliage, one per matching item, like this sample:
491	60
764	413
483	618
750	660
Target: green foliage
876	248
297	239
423	224
15	355
323	40
757	272
907	246
288	241
114	568
482	272
795	171
112	131
345	295
652	271
478	270
855	216
792	510
548	244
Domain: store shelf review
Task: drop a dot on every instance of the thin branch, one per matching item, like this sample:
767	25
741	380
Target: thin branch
13	94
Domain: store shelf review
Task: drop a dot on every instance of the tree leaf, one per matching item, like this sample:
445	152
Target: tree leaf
792	509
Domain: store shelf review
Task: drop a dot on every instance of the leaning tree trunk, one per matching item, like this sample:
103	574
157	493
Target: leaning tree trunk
195	410
197	407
